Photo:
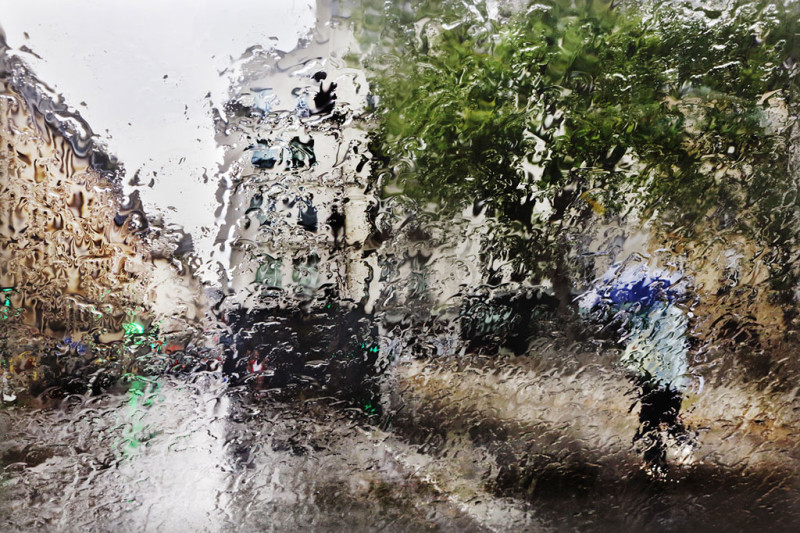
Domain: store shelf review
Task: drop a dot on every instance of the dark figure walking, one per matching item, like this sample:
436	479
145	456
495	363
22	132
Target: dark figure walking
654	334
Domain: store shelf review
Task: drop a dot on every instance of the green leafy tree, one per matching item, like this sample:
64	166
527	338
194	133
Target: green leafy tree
568	110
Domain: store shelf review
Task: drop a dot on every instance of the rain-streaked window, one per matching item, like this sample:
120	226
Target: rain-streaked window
426	265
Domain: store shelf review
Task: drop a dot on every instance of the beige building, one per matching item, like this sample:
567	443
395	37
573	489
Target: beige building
80	265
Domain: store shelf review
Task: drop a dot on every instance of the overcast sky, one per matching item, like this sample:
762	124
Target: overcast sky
139	73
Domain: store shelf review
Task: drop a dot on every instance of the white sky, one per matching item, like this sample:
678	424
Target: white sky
113	55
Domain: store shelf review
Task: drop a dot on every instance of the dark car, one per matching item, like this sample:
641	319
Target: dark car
329	349
491	319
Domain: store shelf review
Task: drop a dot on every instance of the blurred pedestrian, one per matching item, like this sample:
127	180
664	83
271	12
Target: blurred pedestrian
652	326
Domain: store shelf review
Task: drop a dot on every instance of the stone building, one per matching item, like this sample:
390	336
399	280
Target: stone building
81	269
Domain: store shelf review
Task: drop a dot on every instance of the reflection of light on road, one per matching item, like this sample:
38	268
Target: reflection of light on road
140	397
172	436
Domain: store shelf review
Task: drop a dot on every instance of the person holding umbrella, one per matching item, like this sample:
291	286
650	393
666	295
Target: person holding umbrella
653	329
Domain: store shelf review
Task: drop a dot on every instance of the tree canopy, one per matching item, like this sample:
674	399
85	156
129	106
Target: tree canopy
550	113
